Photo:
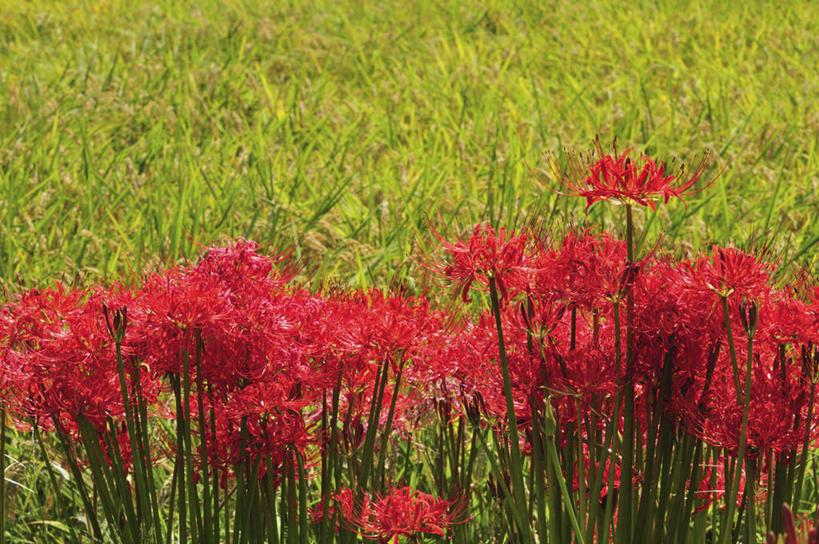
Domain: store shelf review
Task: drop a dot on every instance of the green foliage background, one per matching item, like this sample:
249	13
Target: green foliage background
137	131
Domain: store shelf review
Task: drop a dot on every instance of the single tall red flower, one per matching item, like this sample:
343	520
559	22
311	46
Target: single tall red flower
400	512
621	179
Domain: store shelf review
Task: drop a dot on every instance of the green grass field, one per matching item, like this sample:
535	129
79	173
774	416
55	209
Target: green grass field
132	133
137	131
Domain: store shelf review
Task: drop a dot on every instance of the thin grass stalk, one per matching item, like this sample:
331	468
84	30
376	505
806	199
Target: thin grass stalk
58	497
515	460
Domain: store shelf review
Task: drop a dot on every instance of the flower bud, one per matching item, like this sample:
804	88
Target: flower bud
120	322
749	317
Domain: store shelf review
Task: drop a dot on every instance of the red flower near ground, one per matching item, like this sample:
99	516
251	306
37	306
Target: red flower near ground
400	512
621	179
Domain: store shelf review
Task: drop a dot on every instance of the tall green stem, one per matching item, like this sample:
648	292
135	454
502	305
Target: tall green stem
625	501
514	444
727	532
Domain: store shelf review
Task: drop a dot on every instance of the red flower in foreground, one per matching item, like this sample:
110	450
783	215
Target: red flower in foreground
400	512
621	179
485	255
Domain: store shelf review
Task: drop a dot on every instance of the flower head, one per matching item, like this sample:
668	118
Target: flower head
399	512
487	254
621	179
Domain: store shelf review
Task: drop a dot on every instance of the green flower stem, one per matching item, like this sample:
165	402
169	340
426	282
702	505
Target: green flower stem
171	504
727	531
372	428
538	469
271	508
58	496
193	496
3	476
606	451
750	503
101	475
207	524
519	516
734	365
385	435
515	458
803	458
553	458
71	457
134	438
625	506
179	469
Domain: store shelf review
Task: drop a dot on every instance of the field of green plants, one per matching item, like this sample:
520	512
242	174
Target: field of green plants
363	140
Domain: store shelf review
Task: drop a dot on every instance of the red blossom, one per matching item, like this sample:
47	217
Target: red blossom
399	512
487	254
623	180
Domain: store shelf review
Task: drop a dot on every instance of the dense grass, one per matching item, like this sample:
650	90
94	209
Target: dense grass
131	131
134	132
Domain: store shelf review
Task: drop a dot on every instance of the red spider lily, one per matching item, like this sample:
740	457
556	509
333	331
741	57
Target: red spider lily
64	358
399	512
262	422
730	270
586	269
620	179
778	400
487	254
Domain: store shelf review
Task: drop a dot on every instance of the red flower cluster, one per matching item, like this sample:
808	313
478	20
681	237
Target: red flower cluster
399	512
268	360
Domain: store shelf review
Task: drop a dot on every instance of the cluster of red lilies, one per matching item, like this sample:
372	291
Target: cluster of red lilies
622	385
